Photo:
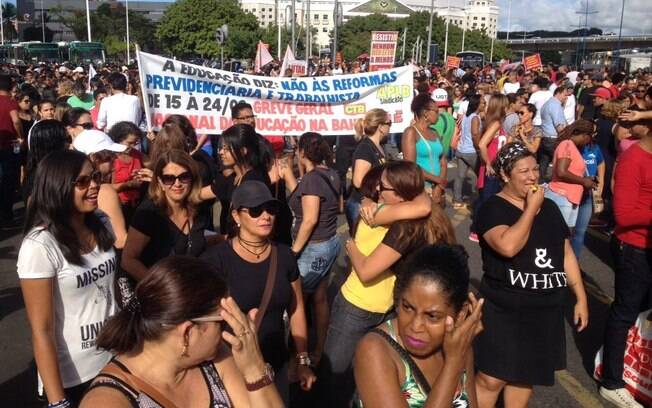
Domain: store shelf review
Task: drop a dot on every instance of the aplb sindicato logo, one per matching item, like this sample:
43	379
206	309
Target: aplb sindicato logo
539	281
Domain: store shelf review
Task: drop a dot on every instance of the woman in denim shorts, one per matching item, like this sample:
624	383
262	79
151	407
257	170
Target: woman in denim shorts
315	203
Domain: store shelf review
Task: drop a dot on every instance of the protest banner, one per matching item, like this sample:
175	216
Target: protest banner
532	62
453	62
383	50
283	106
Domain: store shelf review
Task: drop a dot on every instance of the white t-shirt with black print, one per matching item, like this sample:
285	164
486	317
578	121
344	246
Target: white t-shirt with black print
83	299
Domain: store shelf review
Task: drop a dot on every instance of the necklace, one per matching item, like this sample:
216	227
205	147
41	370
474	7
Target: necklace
254	244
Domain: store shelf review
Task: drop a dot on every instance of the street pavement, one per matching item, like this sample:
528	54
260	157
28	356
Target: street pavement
574	386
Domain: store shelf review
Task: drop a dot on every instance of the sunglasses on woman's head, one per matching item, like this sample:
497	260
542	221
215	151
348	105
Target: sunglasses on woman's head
170	179
83	182
270	207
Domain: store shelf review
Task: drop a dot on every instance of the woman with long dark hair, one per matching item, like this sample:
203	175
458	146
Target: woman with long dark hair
76	120
257	268
466	154
46	136
173	346
167	223
242	149
66	267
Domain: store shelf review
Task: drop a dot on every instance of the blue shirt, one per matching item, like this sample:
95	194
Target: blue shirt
552	115
592	157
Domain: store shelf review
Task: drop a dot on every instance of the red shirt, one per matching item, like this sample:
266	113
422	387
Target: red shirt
7	131
633	197
122	173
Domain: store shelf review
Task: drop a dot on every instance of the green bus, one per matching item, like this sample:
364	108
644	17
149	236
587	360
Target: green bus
83	52
33	52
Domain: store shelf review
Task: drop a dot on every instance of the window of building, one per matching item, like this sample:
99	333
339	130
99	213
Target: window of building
475	18
475	25
262	9
324	16
483	19
324	29
271	16
316	17
253	10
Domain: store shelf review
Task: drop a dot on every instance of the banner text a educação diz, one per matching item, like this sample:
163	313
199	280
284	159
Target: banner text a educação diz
282	106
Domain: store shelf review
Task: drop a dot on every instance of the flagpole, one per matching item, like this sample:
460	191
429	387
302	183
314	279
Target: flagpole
88	21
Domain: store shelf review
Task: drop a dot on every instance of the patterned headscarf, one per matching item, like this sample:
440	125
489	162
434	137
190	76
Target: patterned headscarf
507	154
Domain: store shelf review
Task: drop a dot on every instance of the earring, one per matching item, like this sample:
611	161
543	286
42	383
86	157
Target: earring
184	352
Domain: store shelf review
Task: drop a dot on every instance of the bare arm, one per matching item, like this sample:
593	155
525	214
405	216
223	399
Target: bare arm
109	202
310	205
476	133
105	397
409	144
561	171
360	169
509	240
39	303
18	125
486	138
134	246
419	207
371	267
299	331
574	276
601	172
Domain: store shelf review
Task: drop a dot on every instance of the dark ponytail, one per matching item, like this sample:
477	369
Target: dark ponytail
315	148
176	289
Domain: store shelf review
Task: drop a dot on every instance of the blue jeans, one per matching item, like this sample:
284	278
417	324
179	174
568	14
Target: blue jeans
568	210
633	280
347	326
316	261
352	212
584	214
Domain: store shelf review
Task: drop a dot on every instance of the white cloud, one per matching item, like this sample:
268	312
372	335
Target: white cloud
561	15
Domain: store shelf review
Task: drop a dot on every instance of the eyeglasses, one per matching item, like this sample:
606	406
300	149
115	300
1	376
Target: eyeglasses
170	179
86	125
246	117
382	187
270	207
82	182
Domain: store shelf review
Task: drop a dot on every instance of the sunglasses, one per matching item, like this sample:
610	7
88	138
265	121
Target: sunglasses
388	123
270	207
87	125
170	179
382	187
83	182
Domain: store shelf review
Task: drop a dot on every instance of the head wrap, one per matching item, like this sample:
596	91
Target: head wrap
508	153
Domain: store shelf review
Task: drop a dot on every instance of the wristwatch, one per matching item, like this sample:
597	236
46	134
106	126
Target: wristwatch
304	360
264	381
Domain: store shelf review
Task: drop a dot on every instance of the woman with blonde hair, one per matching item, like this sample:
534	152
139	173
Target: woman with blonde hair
167	223
371	131
493	138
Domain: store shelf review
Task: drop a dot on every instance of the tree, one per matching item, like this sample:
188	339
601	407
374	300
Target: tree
355	34
188	28
108	24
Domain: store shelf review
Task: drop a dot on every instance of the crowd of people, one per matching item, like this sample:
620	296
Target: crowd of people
171	269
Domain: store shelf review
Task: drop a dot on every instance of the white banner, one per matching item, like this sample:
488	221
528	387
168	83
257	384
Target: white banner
282	106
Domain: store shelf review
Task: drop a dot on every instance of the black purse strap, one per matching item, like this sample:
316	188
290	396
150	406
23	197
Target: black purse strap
405	356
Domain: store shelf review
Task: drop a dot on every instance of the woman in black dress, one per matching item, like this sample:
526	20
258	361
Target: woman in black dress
528	264
245	262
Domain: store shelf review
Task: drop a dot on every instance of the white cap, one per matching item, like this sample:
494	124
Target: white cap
78	69
440	96
93	141
63	69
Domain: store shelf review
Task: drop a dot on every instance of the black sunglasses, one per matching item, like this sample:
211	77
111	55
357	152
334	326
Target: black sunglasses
83	182
86	125
170	179
270	207
382	187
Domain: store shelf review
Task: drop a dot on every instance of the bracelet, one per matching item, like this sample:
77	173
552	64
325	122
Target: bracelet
64	403
266	379
381	205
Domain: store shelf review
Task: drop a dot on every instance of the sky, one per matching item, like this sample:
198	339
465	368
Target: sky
561	15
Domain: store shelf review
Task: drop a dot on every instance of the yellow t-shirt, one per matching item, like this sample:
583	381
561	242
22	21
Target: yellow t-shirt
375	296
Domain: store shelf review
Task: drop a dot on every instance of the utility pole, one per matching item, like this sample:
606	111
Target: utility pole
292	14
2	25
620	34
42	21
432	13
336	20
308	33
127	15
509	20
88	21
448	19
585	32
404	38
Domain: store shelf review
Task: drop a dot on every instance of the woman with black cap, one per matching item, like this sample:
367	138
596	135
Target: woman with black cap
264	275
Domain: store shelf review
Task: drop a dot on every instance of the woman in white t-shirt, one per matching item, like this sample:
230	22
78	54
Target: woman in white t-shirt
66	267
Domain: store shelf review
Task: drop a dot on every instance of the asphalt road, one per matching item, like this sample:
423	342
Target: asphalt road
574	386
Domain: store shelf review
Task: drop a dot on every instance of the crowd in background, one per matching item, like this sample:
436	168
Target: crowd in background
175	269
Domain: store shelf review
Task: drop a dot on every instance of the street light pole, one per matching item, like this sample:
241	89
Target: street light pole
42	21
2	25
509	18
448	19
292	14
432	13
308	33
127	20
88	21
620	34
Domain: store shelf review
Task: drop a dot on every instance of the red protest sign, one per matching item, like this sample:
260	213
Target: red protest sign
453	62
532	62
383	49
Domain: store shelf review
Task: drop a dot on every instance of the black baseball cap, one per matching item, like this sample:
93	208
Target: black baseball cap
251	194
